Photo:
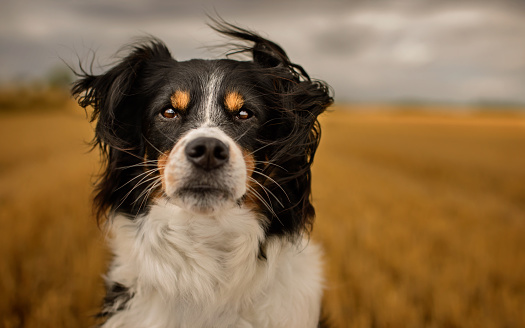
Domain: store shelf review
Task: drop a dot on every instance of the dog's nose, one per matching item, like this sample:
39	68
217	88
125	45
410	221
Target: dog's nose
207	153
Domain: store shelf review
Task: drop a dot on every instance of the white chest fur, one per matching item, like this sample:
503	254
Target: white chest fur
186	270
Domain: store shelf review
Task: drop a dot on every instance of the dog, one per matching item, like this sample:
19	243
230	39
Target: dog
206	186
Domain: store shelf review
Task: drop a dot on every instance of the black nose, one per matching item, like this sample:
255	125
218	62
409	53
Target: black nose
207	153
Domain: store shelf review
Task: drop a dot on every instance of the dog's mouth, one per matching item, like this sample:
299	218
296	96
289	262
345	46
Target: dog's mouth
202	191
205	199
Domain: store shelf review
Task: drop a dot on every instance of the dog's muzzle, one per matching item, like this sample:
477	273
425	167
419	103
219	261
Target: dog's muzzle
205	172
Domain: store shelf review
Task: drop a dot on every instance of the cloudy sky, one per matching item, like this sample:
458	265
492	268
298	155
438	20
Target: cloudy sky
453	51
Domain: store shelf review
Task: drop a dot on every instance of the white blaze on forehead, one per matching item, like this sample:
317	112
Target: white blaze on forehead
211	91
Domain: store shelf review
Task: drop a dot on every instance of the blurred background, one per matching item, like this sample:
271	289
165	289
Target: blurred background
418	182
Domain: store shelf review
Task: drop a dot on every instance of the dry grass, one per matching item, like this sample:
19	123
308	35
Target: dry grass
422	217
30	98
52	253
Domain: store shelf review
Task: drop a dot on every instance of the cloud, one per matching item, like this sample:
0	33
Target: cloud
368	50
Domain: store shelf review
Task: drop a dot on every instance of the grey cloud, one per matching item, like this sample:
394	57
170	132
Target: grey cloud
368	50
343	40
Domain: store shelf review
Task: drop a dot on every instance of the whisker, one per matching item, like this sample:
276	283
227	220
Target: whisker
268	206
242	135
271	163
262	147
153	188
142	181
263	188
266	190
146	192
149	190
145	163
146	139
148	172
272	180
105	151
259	197
167	136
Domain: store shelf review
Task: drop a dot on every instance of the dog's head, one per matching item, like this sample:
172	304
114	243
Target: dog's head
207	135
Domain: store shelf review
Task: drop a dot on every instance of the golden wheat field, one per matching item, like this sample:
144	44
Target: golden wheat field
421	215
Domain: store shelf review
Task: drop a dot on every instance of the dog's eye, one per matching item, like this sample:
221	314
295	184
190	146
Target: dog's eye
169	113
243	114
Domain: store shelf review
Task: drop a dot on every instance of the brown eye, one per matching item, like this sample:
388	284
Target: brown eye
169	113
244	114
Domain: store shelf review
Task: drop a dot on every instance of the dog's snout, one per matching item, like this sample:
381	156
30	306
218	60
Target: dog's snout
207	153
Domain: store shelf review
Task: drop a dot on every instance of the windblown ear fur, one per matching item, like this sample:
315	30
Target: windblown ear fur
118	129
289	141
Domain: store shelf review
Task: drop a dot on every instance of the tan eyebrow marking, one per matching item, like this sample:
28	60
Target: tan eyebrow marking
233	101
180	99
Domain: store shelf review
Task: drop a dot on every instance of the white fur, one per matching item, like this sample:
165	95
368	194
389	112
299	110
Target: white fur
212	87
189	270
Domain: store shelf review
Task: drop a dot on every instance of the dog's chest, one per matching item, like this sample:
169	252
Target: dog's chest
188	271
188	265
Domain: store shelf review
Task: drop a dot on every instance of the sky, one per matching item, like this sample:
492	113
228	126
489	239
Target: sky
371	51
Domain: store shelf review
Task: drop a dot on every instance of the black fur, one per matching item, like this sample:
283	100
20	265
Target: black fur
117	296
286	132
292	132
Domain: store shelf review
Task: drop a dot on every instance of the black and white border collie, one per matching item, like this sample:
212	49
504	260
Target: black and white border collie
206	187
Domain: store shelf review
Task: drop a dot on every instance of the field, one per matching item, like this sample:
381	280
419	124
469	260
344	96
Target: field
421	215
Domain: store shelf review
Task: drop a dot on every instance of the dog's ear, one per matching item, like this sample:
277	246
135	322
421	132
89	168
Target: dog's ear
265	53
293	136
117	103
290	138
109	92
